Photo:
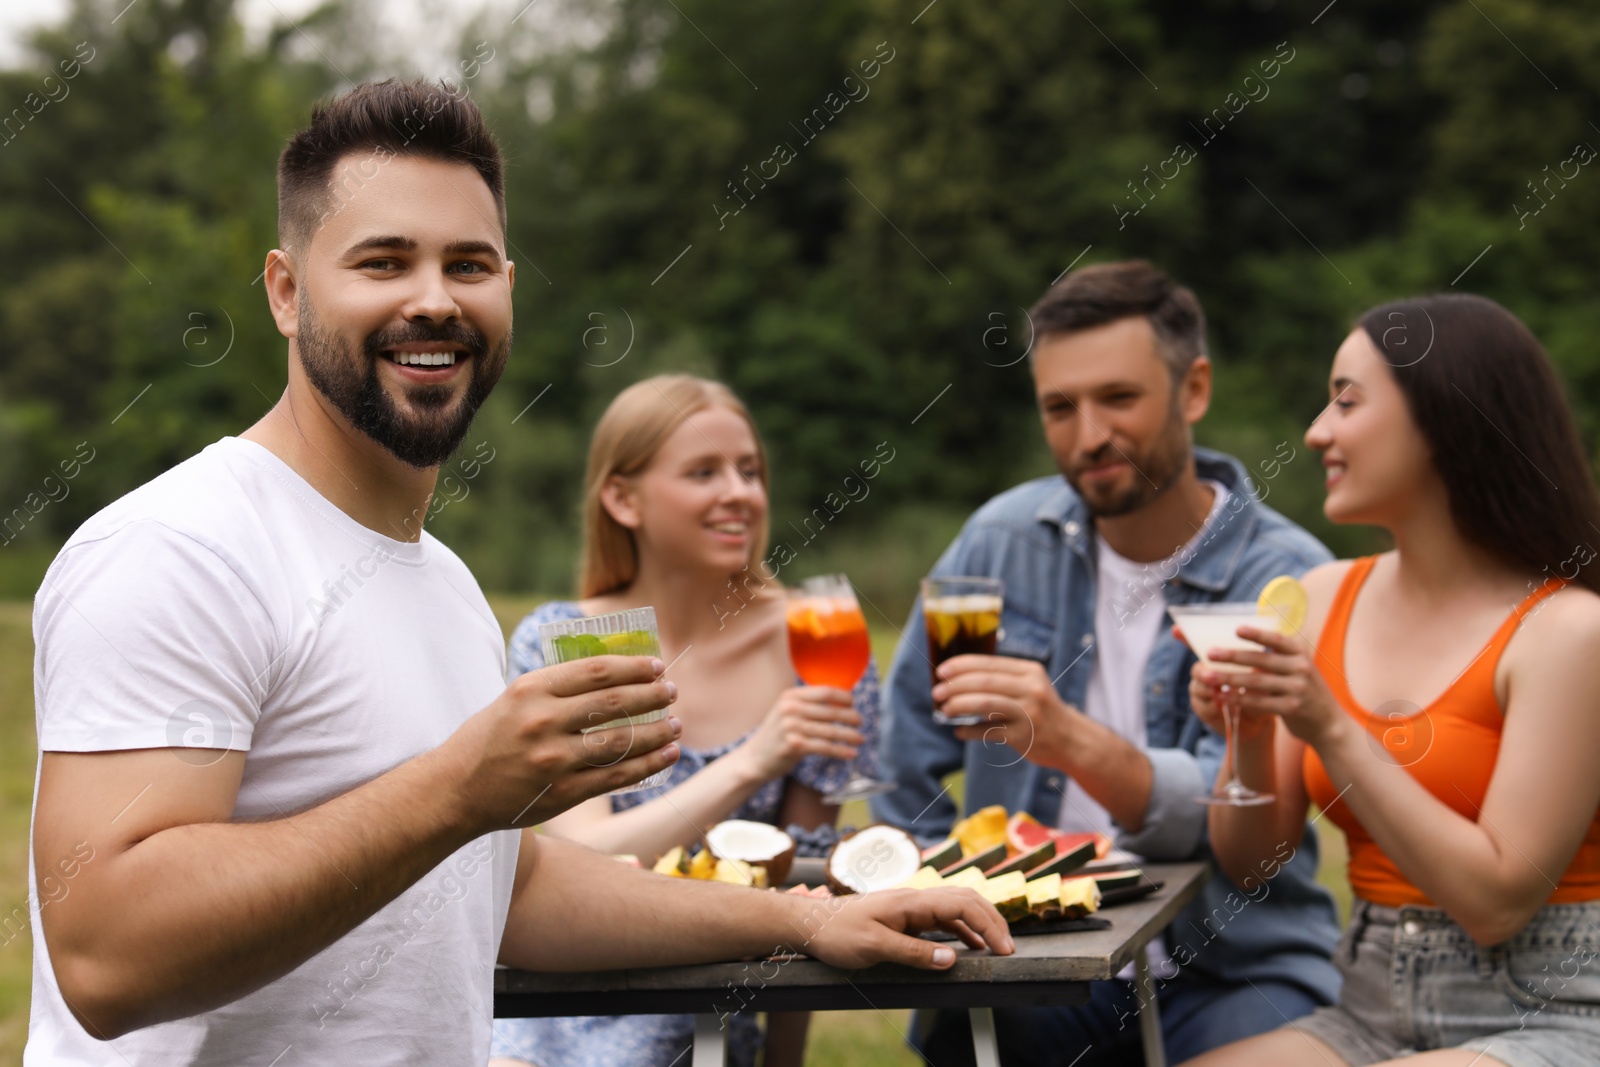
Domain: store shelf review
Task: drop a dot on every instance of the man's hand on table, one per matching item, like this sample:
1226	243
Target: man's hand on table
853	932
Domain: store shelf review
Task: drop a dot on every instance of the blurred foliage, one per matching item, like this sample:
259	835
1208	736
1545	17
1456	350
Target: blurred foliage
881	269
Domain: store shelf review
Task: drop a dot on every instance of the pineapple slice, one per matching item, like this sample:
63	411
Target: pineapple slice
1044	896
970	878
671	863
735	872
1009	895
703	866
925	878
1079	897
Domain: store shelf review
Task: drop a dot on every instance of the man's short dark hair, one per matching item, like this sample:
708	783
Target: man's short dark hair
383	119
1107	292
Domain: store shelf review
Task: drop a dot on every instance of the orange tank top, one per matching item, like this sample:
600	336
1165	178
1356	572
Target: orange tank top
1450	747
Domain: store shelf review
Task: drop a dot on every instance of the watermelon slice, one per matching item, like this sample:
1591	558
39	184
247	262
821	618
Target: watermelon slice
943	854
1113	879
1064	862
983	861
1066	842
1024	833
1026	861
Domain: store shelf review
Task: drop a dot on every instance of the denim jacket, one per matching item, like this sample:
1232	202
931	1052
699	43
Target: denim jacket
1038	538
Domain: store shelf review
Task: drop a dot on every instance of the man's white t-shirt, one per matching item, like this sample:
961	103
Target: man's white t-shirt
1129	613
228	605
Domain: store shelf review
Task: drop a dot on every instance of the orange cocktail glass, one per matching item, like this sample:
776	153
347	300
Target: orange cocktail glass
828	640
829	646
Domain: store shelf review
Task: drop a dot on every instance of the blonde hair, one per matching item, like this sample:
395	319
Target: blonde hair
626	440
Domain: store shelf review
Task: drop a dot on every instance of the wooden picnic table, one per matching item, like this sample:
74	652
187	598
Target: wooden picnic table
1049	968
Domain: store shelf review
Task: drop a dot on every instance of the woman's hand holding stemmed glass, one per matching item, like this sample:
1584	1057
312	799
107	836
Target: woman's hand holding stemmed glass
810	720
1279	680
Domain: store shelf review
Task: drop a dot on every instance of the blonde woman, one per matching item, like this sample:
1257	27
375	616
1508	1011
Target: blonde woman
675	508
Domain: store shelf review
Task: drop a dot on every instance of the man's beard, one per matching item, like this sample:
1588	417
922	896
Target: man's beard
427	434
1154	473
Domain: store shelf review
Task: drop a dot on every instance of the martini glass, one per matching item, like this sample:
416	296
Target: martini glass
829	645
1211	626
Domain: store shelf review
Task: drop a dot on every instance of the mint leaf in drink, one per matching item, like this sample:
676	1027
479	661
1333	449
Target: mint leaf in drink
569	647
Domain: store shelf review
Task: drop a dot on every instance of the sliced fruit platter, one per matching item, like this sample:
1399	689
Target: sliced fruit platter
1026	870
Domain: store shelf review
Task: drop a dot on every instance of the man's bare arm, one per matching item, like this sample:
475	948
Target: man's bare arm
181	910
577	910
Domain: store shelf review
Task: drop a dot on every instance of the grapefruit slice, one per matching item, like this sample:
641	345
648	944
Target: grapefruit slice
1024	833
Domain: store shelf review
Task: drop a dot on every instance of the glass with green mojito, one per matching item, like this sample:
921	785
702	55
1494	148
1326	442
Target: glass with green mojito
618	633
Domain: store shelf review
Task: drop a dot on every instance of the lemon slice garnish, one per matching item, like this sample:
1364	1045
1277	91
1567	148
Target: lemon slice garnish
1284	599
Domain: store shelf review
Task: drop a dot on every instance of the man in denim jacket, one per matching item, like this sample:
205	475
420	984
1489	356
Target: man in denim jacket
1088	720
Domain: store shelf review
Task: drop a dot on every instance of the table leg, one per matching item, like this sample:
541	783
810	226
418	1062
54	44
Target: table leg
1155	1054
985	1049
710	1042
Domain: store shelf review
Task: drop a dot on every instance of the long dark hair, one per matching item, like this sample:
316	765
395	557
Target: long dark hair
1487	399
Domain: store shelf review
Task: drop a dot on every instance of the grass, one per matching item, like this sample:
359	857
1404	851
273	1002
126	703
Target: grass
17	755
838	1039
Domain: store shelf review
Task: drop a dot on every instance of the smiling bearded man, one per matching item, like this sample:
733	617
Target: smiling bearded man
303	836
431	432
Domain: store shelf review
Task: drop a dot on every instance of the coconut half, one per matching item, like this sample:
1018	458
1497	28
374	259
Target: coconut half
878	857
756	843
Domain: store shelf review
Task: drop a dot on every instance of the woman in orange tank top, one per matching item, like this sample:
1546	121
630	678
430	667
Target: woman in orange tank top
1441	705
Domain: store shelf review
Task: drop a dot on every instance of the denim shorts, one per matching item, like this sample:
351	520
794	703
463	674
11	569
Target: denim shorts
1414	981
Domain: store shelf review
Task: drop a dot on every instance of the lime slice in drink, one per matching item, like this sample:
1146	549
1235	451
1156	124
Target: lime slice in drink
945	627
629	643
1284	599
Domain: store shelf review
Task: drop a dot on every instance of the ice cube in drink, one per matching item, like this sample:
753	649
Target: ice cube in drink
828	640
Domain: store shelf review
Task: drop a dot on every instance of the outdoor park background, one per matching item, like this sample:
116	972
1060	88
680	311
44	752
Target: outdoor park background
870	291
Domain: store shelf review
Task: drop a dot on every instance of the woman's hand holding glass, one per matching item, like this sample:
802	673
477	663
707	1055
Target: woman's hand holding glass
1281	680
810	720
1207	698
